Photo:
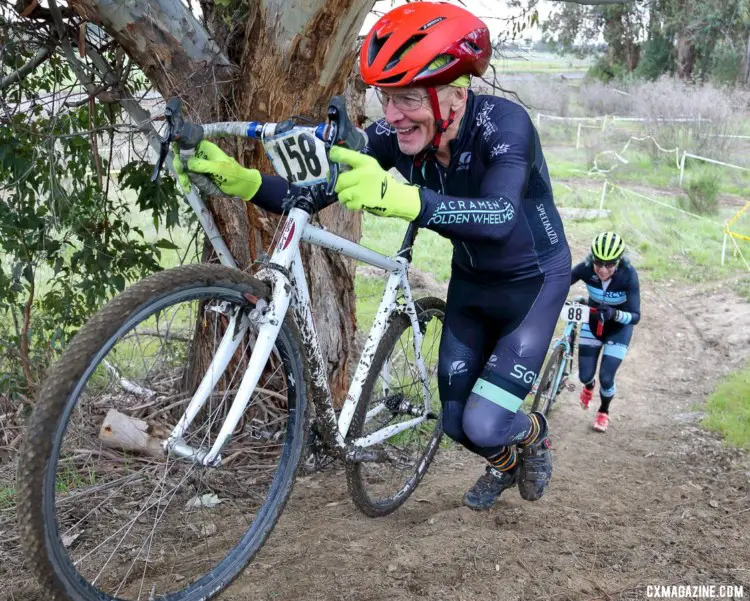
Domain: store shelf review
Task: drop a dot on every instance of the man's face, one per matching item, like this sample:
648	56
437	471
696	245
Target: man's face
409	112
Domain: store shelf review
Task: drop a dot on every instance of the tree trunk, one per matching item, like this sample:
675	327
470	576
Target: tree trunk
746	77
685	57
276	63
618	32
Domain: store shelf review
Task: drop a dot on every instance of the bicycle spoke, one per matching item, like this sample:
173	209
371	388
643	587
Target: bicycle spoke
380	487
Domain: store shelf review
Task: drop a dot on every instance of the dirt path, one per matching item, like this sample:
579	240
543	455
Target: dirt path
656	500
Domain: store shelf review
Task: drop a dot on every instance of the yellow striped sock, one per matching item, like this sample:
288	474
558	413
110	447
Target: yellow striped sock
533	434
505	460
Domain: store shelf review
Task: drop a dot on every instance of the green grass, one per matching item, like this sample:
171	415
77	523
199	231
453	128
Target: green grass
644	170
143	220
642	167
368	292
728	409
431	252
565	165
540	62
577	194
742	286
7	497
68	479
665	243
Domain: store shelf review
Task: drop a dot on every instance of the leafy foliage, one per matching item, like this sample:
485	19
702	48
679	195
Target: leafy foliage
702	192
695	39
67	242
657	58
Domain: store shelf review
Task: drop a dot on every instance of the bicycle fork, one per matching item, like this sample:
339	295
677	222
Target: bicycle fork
270	318
271	321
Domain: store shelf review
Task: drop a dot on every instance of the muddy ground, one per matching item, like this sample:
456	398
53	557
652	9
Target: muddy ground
656	500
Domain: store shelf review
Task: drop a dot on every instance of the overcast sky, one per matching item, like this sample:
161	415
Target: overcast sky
488	10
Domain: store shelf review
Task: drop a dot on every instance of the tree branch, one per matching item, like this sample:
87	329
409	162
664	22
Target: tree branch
177	43
30	9
101	93
42	55
140	116
25	358
68	49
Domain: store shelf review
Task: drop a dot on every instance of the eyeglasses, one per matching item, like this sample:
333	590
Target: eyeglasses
406	101
403	102
607	264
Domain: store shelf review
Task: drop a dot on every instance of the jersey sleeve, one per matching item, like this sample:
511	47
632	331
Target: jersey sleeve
381	143
577	273
270	196
633	314
508	152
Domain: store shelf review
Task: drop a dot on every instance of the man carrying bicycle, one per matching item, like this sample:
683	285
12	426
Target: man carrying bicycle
614	290
477	176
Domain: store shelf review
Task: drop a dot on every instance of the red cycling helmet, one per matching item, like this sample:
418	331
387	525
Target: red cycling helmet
404	42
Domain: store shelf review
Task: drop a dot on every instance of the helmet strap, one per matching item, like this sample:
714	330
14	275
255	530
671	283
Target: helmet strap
441	124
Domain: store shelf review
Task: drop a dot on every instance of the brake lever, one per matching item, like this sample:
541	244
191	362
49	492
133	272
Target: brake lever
187	135
170	111
163	152
332	132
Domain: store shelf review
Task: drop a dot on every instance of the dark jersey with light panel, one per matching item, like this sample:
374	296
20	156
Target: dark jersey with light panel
622	291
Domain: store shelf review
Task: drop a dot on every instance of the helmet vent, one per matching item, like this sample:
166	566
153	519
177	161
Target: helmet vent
393	79
472	47
403	49
376	44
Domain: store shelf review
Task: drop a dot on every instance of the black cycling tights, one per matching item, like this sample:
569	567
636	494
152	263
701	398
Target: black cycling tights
495	338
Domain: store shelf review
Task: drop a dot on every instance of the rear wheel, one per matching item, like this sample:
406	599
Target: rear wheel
392	394
549	383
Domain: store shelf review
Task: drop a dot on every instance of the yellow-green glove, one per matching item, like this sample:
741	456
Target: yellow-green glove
227	174
368	186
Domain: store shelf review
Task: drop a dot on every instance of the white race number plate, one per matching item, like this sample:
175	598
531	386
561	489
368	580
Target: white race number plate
575	312
298	156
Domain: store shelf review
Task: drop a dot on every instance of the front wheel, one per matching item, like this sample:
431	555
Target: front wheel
549	383
104	514
391	388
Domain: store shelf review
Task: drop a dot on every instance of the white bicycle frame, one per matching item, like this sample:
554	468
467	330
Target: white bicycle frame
288	283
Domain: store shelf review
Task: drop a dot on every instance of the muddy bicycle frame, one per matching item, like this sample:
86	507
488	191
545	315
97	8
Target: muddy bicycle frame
286	278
